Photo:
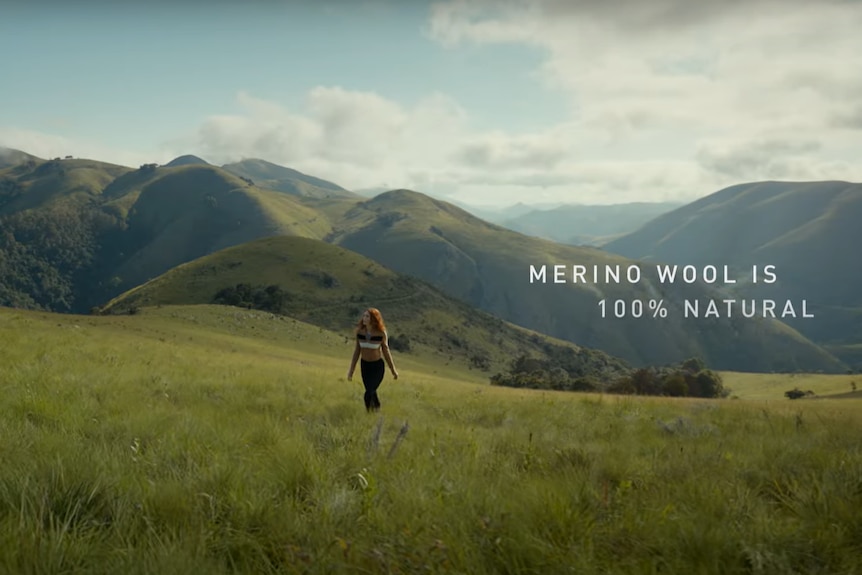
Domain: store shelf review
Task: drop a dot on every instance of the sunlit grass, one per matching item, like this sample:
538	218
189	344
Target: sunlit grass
767	386
206	440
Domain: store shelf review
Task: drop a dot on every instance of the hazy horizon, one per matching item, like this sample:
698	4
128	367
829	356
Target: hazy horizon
485	104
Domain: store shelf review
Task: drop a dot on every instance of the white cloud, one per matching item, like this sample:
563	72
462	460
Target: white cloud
784	158
498	150
752	90
48	146
669	99
364	141
670	63
358	139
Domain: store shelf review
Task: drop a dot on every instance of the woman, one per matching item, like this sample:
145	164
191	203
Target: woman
372	346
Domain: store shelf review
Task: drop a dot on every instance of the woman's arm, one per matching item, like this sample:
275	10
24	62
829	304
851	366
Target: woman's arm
384	347
353	361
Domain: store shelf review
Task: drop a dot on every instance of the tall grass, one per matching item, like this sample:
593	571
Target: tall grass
157	444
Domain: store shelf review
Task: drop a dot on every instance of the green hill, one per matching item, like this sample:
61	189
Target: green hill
587	224
79	232
33	183
11	157
488	266
194	210
52	229
809	231
497	214
187	160
329	286
282	179
210	440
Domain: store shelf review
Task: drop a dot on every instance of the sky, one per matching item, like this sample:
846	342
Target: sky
483	102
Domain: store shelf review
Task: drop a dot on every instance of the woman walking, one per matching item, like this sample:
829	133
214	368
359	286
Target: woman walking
372	347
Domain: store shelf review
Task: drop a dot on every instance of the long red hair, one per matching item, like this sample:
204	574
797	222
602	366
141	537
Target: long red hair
376	320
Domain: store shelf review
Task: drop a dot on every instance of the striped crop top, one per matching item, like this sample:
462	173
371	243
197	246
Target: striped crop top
368	341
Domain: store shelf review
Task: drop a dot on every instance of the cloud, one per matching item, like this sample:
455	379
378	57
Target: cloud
361	137
849	118
668	100
672	64
364	141
760	159
702	94
46	146
499	150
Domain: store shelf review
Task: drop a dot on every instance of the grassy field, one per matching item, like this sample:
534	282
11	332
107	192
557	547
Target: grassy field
766	386
121	227
807	230
329	286
214	440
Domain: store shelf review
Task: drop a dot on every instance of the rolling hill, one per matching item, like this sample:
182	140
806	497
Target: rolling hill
809	231
80	232
497	214
187	160
11	157
196	210
587	224
329	286
97	230
488	266
206	439
275	177
34	183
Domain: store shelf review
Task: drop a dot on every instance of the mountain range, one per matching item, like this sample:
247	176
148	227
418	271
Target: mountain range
77	233
809	231
326	285
578	224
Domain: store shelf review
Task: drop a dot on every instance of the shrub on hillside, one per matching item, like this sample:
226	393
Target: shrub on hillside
584	383
399	343
480	360
621	386
796	393
324	279
675	386
10	190
565	370
587	371
690	378
270	298
708	384
52	258
389	219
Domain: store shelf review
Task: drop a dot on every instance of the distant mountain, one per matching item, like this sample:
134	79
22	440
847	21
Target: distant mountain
193	210
187	160
81	231
587	224
329	286
371	192
488	266
494	214
500	215
35	182
76	233
268	175
10	157
810	231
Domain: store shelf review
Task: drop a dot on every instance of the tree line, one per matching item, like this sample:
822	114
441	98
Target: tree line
690	378
51	258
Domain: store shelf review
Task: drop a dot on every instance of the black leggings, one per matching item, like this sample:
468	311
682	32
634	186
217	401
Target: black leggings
372	376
